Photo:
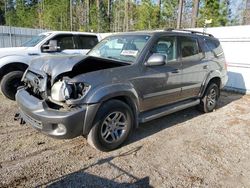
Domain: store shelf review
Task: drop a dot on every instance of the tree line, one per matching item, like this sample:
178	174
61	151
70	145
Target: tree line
114	15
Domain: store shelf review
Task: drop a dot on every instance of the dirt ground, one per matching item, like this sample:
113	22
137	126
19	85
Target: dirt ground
185	149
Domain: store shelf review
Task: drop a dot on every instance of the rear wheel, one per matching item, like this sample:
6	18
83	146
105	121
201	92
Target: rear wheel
10	82
112	126
210	98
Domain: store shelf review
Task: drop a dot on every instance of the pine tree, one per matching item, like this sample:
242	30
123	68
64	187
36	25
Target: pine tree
215	11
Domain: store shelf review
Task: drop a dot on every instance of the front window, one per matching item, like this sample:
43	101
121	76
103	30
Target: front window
35	40
121	47
166	46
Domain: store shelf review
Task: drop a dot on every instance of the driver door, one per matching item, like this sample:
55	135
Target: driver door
66	44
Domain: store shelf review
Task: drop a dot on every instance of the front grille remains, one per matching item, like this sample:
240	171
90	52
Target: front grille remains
36	84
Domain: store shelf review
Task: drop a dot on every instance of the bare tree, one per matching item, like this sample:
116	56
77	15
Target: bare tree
195	12
126	16
98	15
180	8
109	13
159	13
246	18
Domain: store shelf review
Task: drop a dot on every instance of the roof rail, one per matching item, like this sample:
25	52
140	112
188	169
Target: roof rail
189	31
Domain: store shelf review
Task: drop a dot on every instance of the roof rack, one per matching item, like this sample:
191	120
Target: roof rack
189	31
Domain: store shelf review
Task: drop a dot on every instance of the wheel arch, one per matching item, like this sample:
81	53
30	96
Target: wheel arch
121	96
213	77
15	66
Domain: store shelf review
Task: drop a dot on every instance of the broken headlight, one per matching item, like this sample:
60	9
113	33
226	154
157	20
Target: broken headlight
63	90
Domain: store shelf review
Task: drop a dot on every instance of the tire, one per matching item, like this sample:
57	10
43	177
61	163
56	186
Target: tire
210	98
10	82
112	126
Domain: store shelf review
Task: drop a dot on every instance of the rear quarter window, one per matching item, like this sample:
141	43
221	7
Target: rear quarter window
214	46
87	41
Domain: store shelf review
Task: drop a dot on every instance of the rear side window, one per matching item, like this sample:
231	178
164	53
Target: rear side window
189	48
87	41
214	46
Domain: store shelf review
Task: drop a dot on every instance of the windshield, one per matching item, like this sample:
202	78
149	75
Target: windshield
35	40
121	47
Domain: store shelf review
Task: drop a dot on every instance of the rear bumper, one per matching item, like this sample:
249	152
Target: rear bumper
55	123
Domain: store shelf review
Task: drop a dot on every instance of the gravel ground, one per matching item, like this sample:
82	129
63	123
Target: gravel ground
185	149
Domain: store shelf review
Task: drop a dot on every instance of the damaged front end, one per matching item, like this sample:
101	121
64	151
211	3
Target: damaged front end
55	84
52	99
44	102
64	91
60	93
44	105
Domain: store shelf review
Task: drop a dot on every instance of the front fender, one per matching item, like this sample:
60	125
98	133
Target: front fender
9	63
14	59
108	92
111	91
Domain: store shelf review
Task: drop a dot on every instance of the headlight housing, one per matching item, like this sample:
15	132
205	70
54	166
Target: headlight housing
64	90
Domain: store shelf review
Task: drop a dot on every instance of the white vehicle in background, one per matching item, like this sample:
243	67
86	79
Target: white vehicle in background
14	61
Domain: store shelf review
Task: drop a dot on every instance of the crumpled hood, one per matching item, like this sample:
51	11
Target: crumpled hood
54	65
13	51
71	65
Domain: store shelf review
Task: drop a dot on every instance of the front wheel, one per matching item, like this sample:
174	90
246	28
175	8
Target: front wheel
10	83
112	126
210	98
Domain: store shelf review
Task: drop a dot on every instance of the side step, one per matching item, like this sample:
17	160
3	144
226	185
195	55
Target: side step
163	111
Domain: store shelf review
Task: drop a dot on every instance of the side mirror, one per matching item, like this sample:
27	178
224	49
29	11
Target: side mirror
156	60
51	47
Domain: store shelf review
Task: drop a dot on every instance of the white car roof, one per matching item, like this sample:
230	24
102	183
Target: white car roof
69	32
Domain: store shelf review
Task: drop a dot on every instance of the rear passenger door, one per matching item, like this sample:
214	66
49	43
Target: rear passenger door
86	43
194	66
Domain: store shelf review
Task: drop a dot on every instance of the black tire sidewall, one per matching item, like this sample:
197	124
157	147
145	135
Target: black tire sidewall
205	99
7	87
106	109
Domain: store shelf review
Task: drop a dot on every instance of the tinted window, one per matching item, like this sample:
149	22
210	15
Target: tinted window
87	42
166	46
65	41
213	45
189	48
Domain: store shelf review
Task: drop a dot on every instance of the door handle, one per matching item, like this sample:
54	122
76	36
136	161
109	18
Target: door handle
205	67
175	71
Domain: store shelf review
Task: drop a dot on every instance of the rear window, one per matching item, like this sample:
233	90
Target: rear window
213	45
87	41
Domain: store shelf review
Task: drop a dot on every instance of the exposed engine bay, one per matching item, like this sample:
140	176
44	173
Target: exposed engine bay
61	88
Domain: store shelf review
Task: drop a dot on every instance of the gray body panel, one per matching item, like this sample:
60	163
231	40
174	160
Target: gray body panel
148	90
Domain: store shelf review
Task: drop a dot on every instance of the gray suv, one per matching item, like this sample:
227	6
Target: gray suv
127	79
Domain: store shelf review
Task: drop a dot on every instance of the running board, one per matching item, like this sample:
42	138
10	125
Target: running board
163	111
